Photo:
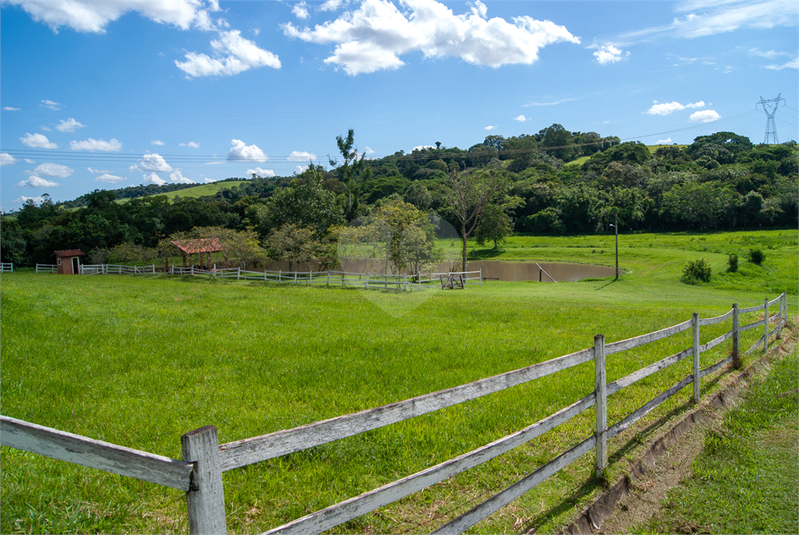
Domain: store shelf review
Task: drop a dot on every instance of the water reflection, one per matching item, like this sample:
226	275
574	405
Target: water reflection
492	270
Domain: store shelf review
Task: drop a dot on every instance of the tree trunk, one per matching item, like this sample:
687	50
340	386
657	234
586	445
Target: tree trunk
463	235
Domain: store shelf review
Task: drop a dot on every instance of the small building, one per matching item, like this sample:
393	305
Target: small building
68	261
200	246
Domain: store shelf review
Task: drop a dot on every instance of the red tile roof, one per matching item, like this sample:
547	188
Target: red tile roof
201	245
69	252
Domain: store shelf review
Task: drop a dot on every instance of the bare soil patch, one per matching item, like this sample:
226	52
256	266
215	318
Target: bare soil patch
637	497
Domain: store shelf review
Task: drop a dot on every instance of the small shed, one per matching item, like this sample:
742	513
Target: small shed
199	246
68	261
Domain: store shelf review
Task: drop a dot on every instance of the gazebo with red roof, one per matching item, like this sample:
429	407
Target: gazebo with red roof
68	261
198	246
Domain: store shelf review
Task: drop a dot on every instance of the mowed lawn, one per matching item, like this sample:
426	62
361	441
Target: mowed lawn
139	361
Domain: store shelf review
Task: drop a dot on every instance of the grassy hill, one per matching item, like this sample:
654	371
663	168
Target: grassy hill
200	190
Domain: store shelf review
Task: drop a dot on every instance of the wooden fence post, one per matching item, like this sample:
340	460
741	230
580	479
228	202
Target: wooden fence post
206	497
404	282
736	355
328	278
695	328
601	381
765	336
780	317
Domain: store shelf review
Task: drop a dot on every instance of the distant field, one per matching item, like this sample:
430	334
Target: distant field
138	361
201	190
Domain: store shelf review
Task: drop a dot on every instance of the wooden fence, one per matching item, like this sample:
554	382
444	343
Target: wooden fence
199	473
46	268
6	267
384	281
106	269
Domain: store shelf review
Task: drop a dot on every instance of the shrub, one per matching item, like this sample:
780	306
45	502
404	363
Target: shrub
732	262
696	271
756	256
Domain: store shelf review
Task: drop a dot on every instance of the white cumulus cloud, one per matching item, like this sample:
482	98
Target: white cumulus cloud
263	173
157	142
374	36
6	159
241	152
95	145
666	108
176	177
93	16
331	5
152	178
490	127
37	182
152	162
52	169
304	156
110	179
10	108
300	169
520	118
705	116
300	10
190	144
663	141
232	54
70	125
38	141
610	54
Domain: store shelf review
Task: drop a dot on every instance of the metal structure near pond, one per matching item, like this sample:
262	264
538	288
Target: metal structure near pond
199	473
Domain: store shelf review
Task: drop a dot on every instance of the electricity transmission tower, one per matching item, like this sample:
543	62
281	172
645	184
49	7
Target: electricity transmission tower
770	107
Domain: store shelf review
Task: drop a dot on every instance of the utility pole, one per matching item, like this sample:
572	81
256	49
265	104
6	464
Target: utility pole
616	226
770	107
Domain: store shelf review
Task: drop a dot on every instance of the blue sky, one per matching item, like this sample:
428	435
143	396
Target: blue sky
126	92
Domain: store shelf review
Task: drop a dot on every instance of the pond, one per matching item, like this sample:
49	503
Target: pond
492	269
532	271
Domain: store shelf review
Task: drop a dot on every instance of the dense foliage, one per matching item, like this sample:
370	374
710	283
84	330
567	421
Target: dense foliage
554	182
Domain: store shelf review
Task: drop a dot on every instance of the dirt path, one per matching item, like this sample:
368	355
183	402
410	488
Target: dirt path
634	499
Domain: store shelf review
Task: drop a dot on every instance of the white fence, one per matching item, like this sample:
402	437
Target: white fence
46	268
337	278
6	267
199	474
118	269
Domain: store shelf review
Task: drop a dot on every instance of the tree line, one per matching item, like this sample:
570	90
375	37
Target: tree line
554	182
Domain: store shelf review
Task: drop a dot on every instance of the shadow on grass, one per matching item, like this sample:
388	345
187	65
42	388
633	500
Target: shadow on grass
485	253
594	483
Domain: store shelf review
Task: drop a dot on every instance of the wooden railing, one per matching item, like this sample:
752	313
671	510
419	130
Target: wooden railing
119	269
381	281
46	268
204	459
6	267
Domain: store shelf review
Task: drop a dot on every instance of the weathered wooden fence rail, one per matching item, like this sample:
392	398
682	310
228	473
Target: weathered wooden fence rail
6	267
46	268
204	459
118	269
382	281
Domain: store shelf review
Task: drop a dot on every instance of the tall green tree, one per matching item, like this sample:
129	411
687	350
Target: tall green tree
467	193
350	169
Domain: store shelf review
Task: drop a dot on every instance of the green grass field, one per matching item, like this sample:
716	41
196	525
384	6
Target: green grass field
201	190
138	361
745	481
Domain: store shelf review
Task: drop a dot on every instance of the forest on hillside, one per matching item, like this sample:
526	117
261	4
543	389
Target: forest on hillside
554	182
